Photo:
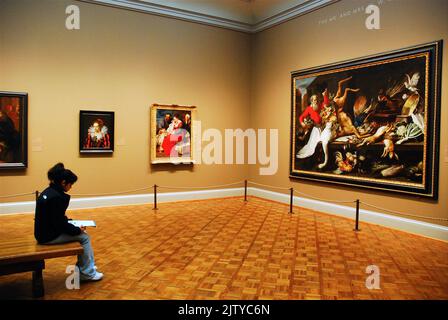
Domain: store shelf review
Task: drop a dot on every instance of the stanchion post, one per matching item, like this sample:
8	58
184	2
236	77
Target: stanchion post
37	194
155	197
291	198
357	216
245	190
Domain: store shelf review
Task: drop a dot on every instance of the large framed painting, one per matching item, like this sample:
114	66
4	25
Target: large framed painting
371	122
96	131
13	130
172	139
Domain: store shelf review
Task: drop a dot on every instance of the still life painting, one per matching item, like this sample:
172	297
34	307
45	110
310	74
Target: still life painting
371	122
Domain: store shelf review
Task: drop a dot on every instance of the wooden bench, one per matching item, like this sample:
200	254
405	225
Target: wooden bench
24	255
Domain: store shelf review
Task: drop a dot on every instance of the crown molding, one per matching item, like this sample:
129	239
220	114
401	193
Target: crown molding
152	8
175	13
291	13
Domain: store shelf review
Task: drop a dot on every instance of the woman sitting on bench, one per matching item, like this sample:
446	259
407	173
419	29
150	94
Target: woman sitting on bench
51	226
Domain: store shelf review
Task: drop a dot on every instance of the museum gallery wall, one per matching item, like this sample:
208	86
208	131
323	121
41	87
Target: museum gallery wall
121	62
168	61
330	36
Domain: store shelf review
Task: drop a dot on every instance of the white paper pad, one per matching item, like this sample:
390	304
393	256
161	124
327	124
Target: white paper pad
83	223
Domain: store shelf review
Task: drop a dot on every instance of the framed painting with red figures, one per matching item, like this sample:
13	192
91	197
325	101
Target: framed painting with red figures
172	134
13	130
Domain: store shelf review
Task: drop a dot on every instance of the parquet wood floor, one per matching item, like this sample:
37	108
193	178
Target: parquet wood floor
228	249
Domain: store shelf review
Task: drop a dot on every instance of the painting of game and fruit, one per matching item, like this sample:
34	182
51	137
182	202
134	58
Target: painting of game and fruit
372	122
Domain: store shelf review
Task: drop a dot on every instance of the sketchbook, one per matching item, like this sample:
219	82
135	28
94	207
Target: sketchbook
83	223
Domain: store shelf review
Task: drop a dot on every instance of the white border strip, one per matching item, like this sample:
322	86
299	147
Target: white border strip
412	226
157	9
404	224
128	200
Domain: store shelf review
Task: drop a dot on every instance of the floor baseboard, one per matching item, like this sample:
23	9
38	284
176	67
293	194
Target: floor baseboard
412	226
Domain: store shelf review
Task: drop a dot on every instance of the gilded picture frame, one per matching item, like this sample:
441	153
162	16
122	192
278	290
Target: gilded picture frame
172	134
372	122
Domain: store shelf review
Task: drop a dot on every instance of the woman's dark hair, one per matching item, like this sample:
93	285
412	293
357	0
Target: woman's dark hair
54	171
58	173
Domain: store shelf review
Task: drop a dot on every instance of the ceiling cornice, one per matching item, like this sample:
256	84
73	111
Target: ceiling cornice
289	14
176	13
181	14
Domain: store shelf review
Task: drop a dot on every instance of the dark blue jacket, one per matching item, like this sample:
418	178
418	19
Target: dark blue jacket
50	220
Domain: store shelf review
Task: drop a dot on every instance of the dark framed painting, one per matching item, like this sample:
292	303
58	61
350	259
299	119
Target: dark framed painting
372	122
13	130
96	131
172	136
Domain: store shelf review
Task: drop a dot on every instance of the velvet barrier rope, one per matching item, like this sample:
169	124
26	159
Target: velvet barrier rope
246	183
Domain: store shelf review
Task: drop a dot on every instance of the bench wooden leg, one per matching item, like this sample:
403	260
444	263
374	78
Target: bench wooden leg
38	284
38	281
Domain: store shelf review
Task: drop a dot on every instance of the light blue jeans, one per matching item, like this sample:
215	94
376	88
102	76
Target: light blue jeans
86	261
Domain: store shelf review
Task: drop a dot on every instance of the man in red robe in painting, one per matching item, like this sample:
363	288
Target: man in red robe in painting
314	109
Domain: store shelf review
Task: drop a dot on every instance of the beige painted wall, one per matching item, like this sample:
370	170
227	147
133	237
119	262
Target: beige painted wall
307	42
124	61
120	61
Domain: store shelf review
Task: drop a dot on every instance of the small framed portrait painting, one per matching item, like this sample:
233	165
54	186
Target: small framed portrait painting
13	130
96	131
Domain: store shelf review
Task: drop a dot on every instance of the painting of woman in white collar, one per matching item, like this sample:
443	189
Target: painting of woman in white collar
98	137
96	131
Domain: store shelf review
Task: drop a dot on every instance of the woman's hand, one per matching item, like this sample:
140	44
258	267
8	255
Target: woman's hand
82	228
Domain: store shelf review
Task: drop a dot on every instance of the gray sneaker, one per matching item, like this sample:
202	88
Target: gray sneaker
96	277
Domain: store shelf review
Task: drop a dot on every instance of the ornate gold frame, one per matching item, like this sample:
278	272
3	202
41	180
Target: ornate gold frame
429	187
153	142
